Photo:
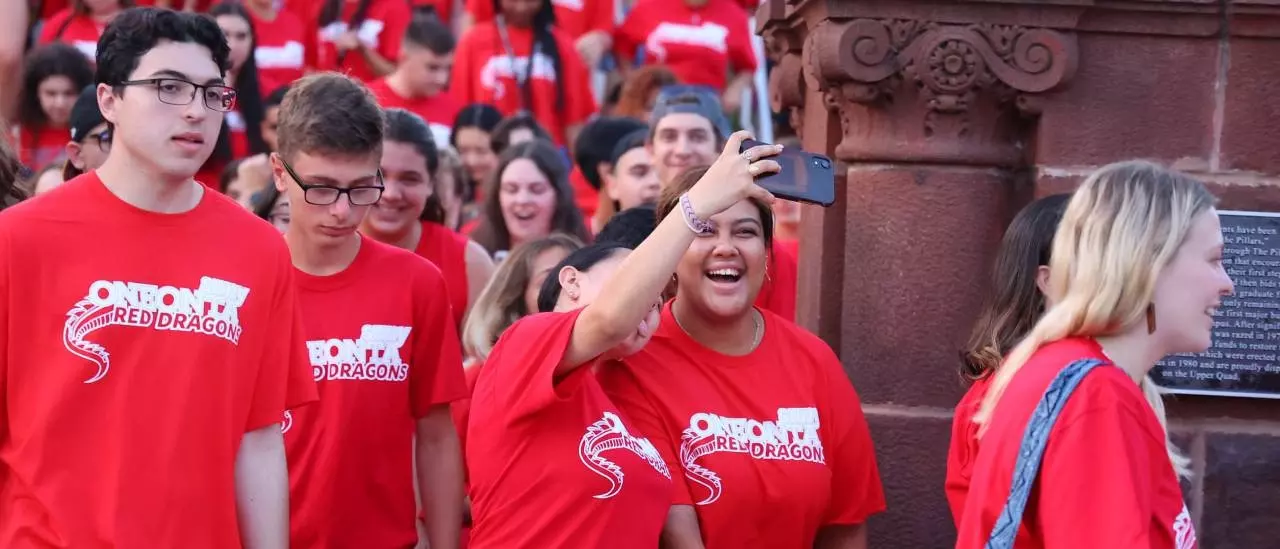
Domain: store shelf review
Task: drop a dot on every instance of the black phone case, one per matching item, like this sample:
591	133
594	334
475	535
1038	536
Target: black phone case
805	177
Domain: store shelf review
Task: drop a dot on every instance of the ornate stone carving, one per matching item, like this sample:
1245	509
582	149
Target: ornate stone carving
964	84
787	86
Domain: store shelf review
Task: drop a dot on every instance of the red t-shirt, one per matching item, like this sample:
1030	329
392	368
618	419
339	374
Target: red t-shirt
80	31
50	8
383	353
382	29
699	45
438	110
238	138
130	375
448	251
282	52
461	411
586	197
42	147
1106	479
461	408
964	447
778	293
574	17
554	464
484	73
768	447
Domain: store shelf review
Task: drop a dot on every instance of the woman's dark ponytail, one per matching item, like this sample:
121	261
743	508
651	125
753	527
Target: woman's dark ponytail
542	35
544	40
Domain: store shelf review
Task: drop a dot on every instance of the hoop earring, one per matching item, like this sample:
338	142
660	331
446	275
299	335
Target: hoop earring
1151	318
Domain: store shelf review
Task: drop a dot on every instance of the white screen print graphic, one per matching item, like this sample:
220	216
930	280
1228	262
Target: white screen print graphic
1183	530
375	356
793	437
211	309
608	433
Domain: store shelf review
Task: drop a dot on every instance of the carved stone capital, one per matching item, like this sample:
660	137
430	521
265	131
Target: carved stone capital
965	87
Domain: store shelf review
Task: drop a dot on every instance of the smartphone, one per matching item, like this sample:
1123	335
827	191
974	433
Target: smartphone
805	177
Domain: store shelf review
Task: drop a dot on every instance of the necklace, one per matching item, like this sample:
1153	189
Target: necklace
756	335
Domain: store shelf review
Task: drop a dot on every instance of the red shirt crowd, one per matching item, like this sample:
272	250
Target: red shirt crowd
162	314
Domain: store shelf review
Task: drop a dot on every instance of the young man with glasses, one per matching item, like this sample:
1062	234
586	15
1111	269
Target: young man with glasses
380	337
149	331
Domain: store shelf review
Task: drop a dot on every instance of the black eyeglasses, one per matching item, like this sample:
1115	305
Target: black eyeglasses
103	138
174	91
324	195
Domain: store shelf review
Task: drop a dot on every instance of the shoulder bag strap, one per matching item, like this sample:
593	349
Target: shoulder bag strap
1034	441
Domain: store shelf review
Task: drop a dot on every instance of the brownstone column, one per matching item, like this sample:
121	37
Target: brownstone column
948	116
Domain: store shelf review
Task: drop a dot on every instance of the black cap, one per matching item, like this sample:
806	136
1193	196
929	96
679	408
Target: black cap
596	142
693	100
633	140
85	114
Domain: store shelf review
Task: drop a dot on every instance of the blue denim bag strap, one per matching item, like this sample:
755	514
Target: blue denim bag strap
1034	441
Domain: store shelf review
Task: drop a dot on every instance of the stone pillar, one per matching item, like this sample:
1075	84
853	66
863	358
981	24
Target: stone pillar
946	117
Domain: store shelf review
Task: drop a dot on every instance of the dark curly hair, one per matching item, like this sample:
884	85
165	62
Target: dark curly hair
137	31
42	63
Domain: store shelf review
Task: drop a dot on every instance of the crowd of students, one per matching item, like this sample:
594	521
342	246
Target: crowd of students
434	339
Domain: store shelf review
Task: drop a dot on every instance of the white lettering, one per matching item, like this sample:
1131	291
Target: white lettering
501	66
711	36
211	309
375	356
291	55
793	437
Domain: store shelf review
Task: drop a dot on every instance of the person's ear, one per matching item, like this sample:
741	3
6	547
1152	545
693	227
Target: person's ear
107	100
570	283
74	155
278	175
1042	280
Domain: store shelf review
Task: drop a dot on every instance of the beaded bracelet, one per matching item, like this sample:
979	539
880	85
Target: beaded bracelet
696	224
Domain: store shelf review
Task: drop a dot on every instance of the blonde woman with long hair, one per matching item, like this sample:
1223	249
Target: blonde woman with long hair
510	295
1136	275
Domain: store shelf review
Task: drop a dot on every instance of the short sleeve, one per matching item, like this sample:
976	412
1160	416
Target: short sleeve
856	492
742	56
1097	471
435	373
56	23
628	36
6	262
625	391
461	84
284	371
580	101
481	10
964	448
520	370
311	43
599	15
396	20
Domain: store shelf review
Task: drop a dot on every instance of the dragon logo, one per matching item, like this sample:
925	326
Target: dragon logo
1184	531
608	433
83	318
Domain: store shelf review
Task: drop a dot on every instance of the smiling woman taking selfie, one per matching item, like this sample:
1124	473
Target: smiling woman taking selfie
717	361
547	451
1135	275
